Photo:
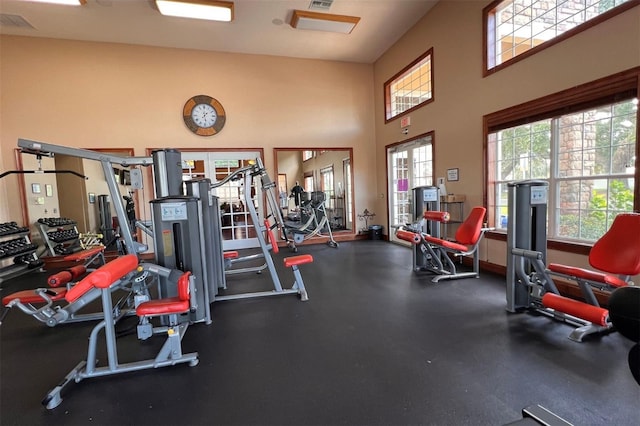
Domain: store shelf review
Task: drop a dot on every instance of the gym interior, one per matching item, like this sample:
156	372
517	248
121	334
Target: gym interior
441	264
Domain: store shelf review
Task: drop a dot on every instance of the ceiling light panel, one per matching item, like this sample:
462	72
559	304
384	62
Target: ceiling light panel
305	20
197	9
65	2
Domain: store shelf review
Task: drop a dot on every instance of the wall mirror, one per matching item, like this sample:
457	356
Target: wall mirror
70	196
318	169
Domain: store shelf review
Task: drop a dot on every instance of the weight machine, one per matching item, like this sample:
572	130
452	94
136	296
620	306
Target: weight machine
313	222
106	160
530	283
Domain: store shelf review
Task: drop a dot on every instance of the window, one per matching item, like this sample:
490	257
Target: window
518	28
309	184
410	88
588	157
307	155
326	176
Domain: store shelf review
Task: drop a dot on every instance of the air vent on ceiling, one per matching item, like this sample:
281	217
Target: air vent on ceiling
7	20
321	4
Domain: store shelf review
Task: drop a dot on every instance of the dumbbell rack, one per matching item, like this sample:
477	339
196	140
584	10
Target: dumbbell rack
60	235
17	252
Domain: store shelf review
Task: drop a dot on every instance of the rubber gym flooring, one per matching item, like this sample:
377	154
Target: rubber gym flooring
374	345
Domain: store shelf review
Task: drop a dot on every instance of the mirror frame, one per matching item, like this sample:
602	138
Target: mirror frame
352	231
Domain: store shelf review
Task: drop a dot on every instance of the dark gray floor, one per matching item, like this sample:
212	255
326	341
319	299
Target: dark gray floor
374	345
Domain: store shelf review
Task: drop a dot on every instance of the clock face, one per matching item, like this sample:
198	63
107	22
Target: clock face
204	115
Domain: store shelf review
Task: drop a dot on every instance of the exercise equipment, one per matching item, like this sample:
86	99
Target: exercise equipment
102	281
313	221
39	302
436	255
264	232
107	161
530	283
624	311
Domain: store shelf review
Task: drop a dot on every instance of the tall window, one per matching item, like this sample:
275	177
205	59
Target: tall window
410	88
588	157
326	176
514	27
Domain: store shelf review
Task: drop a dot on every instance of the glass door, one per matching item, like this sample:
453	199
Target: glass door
410	164
238	229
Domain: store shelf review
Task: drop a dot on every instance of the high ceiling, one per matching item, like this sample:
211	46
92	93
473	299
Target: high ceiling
260	26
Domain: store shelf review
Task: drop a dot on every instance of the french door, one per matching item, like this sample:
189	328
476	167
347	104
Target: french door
238	229
409	164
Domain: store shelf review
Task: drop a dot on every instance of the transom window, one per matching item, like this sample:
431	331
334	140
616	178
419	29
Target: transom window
410	88
514	27
589	159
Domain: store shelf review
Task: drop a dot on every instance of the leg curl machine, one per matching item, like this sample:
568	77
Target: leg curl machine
102	283
530	283
436	255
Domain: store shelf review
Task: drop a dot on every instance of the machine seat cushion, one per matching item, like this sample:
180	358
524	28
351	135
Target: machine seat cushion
586	274
231	254
84	254
104	276
171	305
618	251
451	245
30	296
470	230
298	260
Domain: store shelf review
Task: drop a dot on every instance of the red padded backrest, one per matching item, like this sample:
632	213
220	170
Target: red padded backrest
104	276
272	237
618	250
183	286
469	231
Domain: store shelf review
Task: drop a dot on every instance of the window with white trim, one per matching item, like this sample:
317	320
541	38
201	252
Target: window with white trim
410	88
326	180
514	27
588	157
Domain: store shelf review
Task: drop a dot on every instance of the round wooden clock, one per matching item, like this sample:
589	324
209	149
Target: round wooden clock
204	115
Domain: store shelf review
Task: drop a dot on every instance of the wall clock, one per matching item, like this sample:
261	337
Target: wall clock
204	115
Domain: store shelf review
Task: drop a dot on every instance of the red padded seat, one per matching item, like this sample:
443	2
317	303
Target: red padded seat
298	260
171	305
30	296
468	232
606	254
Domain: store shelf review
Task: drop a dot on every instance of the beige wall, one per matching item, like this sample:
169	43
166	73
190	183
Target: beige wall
98	95
463	96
